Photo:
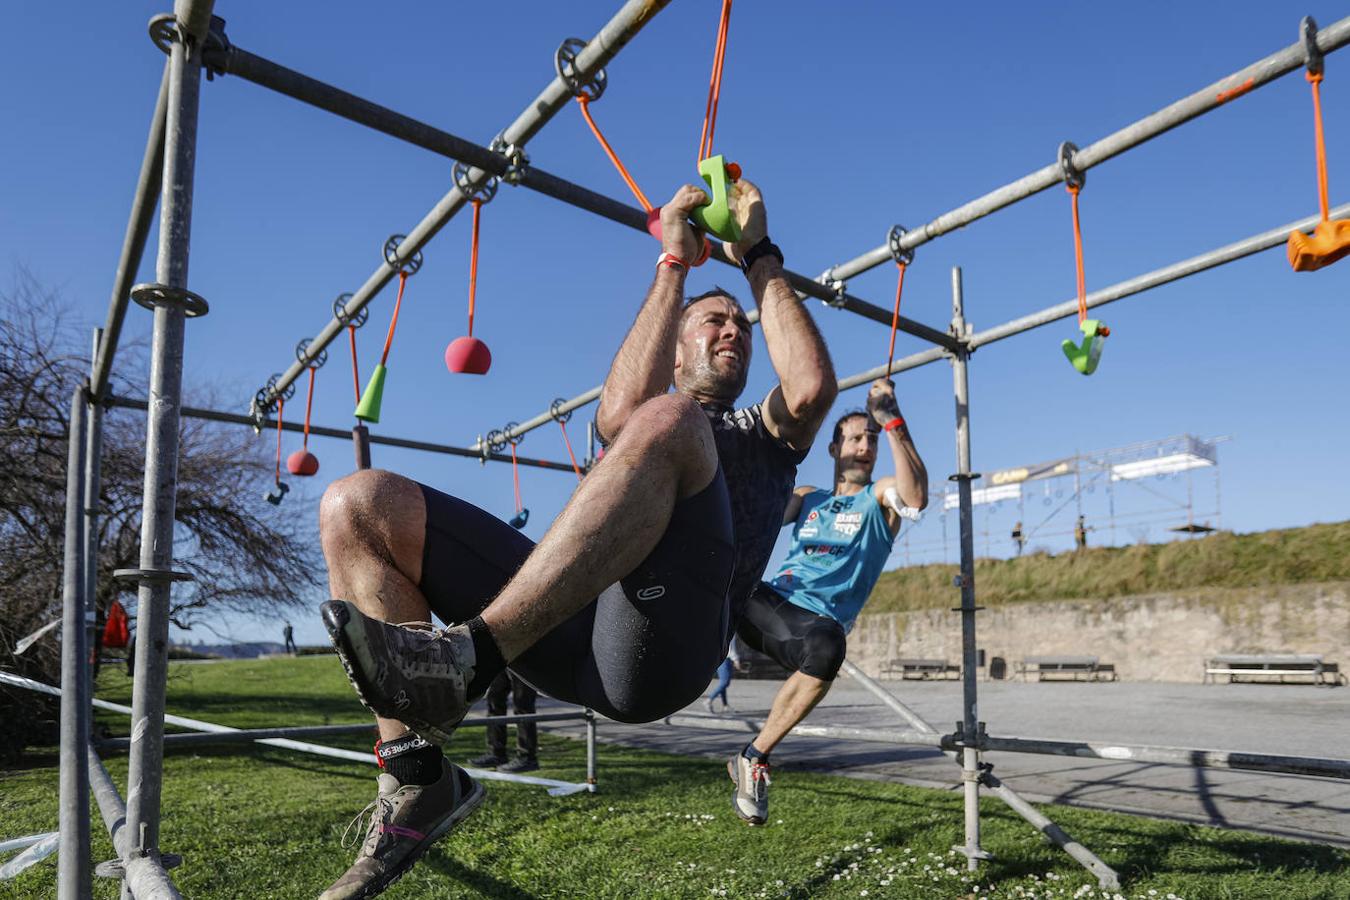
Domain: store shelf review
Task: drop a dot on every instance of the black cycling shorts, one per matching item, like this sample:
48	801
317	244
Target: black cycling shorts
795	638
646	647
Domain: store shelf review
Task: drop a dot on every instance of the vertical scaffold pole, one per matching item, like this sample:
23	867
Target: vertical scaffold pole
970	755
92	489
73	872
145	768
590	750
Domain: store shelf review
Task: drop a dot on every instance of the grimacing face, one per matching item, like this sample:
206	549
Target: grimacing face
855	455
712	353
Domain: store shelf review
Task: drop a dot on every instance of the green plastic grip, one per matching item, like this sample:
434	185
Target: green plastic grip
1086	356
715	216
368	410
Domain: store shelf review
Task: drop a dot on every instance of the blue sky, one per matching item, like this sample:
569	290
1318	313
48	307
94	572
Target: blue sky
851	117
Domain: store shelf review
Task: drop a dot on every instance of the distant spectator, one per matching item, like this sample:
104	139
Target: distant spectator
1080	534
523	699
1018	538
289	634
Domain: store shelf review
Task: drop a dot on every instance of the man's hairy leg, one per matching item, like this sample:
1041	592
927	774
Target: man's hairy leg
794	702
664	454
375	558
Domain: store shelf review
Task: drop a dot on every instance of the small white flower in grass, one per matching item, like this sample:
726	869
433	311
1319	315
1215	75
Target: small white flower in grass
1152	893
611	809
862	893
836	877
779	822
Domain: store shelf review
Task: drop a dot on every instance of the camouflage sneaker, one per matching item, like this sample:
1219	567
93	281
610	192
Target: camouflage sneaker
751	799
405	820
414	673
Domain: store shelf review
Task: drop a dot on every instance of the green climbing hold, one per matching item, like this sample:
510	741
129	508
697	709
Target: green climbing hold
715	217
1086	356
368	410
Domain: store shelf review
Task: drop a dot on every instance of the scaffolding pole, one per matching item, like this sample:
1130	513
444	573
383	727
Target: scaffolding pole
144	875
602	48
1207	99
170	299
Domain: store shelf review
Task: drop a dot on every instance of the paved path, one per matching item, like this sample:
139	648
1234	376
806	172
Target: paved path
1287	719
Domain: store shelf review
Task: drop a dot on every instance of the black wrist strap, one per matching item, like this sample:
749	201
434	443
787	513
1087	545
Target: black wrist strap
765	247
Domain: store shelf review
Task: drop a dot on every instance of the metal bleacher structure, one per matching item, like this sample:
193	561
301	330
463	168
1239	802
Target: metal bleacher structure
194	41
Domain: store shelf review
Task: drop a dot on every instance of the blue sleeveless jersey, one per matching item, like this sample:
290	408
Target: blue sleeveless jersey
839	546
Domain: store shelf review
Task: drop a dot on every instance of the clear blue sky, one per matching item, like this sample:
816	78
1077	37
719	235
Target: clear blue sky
851	116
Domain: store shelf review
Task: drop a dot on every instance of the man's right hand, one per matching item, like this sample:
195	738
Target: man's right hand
678	237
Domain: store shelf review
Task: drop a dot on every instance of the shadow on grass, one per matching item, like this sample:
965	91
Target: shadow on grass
481	882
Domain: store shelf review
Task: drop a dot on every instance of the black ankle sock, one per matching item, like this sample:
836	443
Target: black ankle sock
410	759
754	754
489	662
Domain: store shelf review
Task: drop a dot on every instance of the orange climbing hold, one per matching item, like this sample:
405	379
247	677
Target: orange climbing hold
1330	239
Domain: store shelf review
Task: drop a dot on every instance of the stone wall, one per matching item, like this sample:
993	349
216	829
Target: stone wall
1151	637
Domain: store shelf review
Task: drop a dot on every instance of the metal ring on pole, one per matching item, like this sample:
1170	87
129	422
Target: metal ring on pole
410	266
898	252
152	575
153	294
495	442
483	192
1073	176
340	312
165	31
554	410
565	63
513	441
302	355
1307	31
516	160
272	387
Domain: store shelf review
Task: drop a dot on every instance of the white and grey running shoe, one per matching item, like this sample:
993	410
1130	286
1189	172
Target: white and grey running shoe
751	799
414	673
405	820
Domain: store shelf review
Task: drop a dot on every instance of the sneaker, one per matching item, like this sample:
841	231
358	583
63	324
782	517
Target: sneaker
519	764
414	673
405	820
711	711
487	761
751	800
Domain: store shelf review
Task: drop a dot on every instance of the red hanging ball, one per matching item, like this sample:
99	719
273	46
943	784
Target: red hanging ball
468	356
302	462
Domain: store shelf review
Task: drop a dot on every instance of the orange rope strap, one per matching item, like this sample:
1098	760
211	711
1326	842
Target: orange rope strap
356	375
715	84
398	302
570	454
895	316
584	102
281	409
515	476
1078	255
473	260
1315	79
309	406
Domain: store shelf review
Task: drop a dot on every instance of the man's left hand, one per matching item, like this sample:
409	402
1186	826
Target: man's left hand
881	404
747	205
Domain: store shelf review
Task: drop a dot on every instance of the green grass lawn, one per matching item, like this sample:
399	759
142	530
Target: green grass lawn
260	822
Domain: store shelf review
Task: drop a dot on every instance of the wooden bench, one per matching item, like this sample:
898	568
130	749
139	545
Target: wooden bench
921	669
1264	667
1087	668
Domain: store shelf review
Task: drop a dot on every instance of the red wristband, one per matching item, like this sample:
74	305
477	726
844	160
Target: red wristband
893	424
671	261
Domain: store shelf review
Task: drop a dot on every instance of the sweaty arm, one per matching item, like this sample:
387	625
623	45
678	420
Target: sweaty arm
905	494
642	368
807	387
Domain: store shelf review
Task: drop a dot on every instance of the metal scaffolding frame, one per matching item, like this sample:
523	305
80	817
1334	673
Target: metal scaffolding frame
194	40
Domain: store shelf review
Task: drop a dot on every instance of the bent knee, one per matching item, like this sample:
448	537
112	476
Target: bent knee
359	503
824	647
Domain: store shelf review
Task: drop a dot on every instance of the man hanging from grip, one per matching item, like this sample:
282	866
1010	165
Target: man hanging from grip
628	603
840	541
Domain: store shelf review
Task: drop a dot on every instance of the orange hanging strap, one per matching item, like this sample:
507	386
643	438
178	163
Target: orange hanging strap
473	260
281	409
895	316
584	101
1315	79
515	476
356	374
1074	190
572	456
309	407
393	322
715	84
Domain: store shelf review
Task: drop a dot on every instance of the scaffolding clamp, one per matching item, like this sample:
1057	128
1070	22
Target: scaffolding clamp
152	575
555	410
516	160
395	260
1307	30
565	63
303	357
1074	177
153	294
837	285
340	312
474	191
903	256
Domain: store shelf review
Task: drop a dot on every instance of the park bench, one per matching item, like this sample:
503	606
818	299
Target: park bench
1265	667
921	669
1088	668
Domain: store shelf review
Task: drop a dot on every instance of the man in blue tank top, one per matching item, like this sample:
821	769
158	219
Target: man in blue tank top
841	539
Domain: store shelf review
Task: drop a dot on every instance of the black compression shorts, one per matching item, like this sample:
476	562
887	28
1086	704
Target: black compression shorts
795	638
646	647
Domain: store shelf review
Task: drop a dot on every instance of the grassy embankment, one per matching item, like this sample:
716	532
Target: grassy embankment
265	823
1316	553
